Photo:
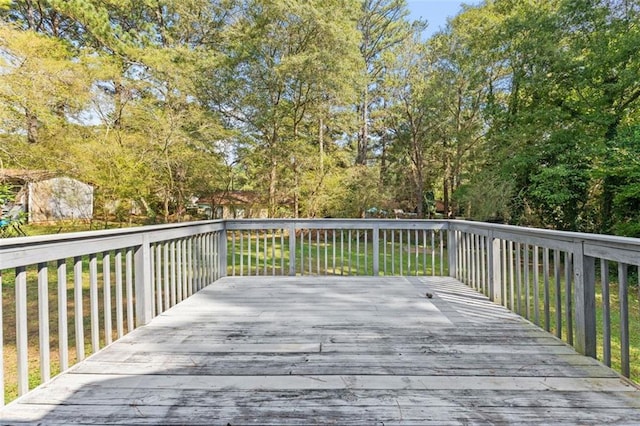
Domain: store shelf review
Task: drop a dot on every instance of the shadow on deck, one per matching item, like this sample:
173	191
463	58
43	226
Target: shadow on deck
334	350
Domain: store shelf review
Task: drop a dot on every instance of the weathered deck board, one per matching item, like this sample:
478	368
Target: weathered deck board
338	350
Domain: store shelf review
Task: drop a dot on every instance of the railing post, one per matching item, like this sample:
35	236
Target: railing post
452	251
292	249
143	282
376	250
585	301
222	253
495	280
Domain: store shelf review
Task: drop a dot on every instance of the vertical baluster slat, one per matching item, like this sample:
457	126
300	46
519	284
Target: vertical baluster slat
22	337
624	318
527	283
606	313
384	251
106	291
357	252
264	249
326	253
568	296
43	322
119	300
63	332
129	288
234	253
158	280
174	272
78	307
512	265
536	286
558	291
441	237
333	250
393	252
349	250
519	278
505	270
93	303
401	253
547	290
342	252
317	251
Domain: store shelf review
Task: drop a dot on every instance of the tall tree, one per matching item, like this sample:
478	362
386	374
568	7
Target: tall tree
383	25
282	61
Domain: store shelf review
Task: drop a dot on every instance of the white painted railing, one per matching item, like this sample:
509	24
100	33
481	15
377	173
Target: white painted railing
337	247
109	282
550	278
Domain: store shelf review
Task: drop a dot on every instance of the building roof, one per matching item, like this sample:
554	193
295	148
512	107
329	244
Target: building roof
24	175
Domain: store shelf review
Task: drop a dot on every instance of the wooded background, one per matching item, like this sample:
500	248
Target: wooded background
522	111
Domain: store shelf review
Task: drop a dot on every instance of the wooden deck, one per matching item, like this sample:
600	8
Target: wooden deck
356	350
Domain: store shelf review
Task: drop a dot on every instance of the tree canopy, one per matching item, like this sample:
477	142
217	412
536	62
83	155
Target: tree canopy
521	111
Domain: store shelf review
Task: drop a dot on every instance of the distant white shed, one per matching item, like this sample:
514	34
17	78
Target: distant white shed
46	198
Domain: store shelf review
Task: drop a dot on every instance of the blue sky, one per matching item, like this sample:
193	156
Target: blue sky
436	11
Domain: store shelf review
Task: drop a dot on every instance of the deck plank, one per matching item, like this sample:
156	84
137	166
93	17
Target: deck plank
334	350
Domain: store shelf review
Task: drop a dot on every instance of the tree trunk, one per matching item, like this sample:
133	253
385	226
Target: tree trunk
273	177
363	139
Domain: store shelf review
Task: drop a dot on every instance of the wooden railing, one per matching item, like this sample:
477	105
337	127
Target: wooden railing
109	282
552	278
337	247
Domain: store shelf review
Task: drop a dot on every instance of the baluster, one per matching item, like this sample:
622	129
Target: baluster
441	238
326	253
158	281
129	289
512	291
558	290
257	252
624	318
416	246
357	252
334	249
393	252
504	280
568	296
350	253
309	251
106	291
342	252
78	314
43	322
63	332
22	336
317	251
606	313
273	252
119	301
536	286
547	295
384	250
174	290
519	278
527	284
264	245
93	303
401	254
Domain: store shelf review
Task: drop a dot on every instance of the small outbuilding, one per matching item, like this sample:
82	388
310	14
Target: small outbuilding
45	197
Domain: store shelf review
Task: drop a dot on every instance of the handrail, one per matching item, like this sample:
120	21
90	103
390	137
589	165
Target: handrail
548	277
